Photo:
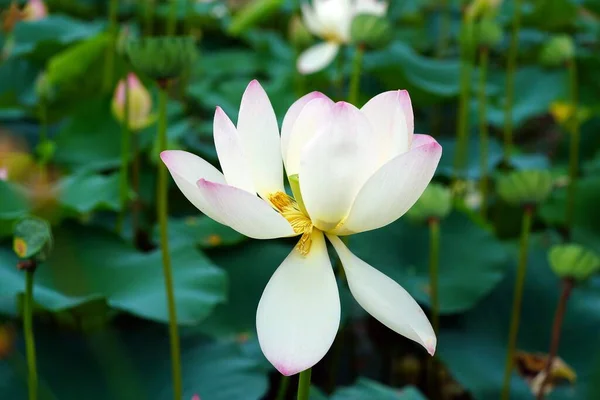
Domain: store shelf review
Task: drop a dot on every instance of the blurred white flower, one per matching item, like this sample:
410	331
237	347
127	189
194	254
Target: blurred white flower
331	20
350	171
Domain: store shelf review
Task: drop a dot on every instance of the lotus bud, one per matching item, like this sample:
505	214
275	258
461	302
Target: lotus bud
527	188
162	58
3	174
139	103
558	50
573	261
435	202
35	10
482	8
300	37
32	241
489	32
370	30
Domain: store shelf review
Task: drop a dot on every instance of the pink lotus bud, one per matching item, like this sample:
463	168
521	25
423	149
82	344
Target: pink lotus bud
139	105
3	174
35	10
195	397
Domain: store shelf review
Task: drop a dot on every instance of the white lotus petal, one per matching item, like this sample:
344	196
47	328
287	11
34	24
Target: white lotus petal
374	7
186	168
244	212
335	18
317	57
384	299
259	135
392	124
299	312
231	155
311	20
335	164
314	116
394	188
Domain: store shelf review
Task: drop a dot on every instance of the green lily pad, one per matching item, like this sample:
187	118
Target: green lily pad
476	359
83	193
472	261
116	364
14	205
89	264
204	231
368	389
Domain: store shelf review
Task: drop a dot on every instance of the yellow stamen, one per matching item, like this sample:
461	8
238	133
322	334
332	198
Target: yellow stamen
300	223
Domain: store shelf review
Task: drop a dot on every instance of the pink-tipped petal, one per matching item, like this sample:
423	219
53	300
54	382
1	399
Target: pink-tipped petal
244	212
291	116
335	164
384	299
315	115
299	312
231	155
259	135
393	189
186	168
390	115
317	57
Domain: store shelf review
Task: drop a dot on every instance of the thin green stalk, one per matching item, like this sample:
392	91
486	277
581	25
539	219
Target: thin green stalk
434	257
189	14
29	339
164	246
567	287
483	129
109	61
510	81
573	146
444	28
466	71
149	16
283	387
172	18
518	296
125	152
355	78
304	384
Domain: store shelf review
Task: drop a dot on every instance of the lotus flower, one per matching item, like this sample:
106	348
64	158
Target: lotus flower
35	10
350	171
3	174
331	20
140	103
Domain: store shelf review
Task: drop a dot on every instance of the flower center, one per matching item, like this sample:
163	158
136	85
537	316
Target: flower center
289	209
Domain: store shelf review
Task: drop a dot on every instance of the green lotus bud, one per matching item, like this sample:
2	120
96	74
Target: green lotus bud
162	57
370	30
32	239
489	33
299	36
482	8
556	51
525	187
573	261
435	202
43	86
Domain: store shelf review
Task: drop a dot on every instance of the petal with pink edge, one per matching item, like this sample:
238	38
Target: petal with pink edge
385	299
259	135
244	212
231	155
299	312
186	168
394	188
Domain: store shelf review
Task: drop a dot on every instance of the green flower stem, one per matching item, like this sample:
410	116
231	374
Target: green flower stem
125	151
172	18
444	28
164	246
109	61
149	16
466	71
573	146
135	183
518	296
189	14
483	129
283	387
29	339
434	257
339	79
510	81
304	384
567	288
355	78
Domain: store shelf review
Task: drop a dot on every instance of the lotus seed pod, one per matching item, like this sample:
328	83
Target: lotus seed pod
32	239
435	202
525	187
557	51
573	261
489	32
163	57
370	30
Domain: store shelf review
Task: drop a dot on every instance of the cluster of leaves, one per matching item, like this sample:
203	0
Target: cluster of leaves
100	302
